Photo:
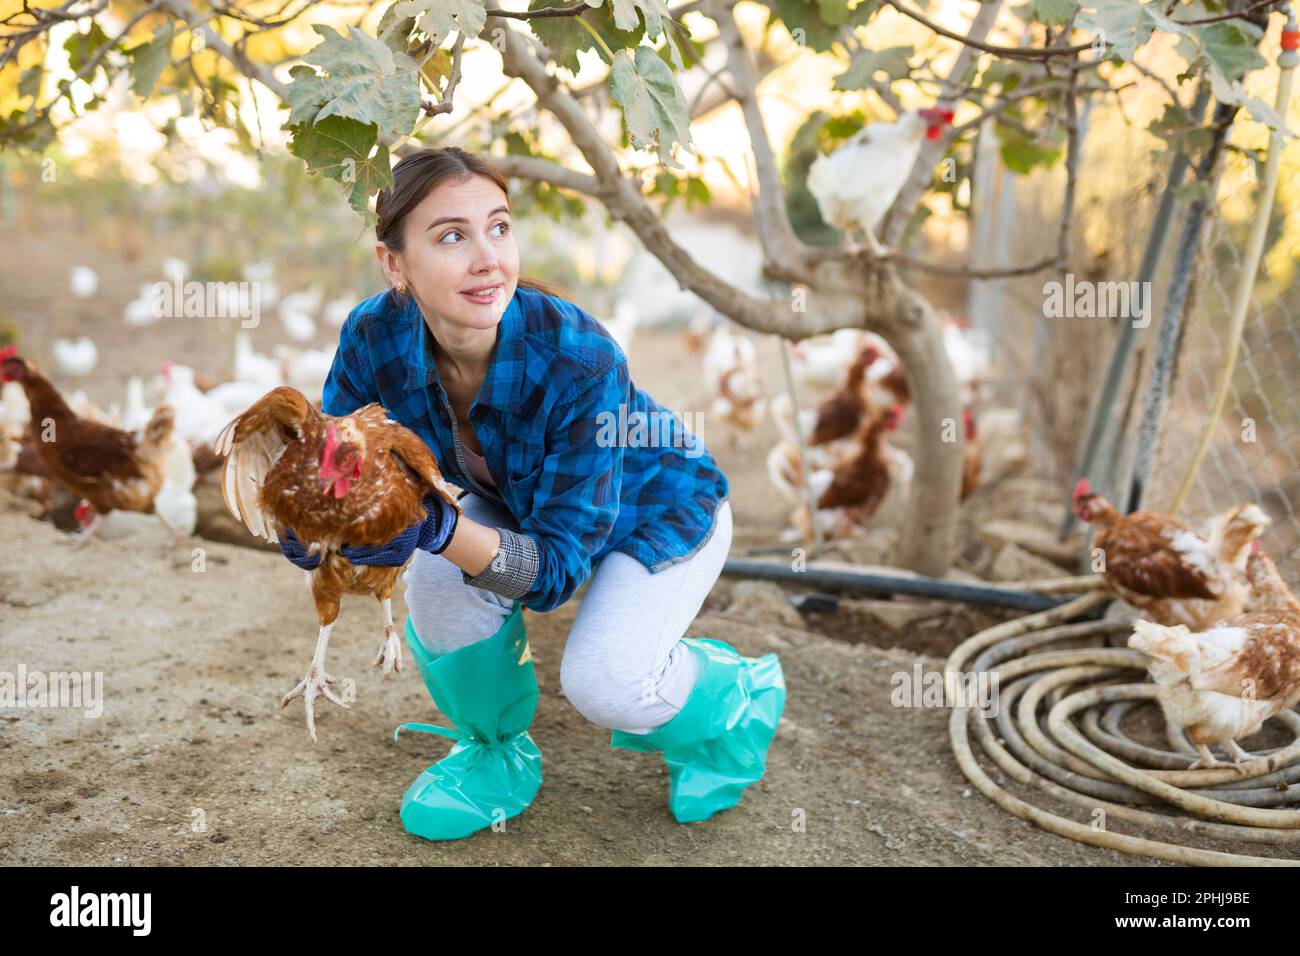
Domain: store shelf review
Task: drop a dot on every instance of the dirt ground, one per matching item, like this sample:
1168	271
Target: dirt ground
192	762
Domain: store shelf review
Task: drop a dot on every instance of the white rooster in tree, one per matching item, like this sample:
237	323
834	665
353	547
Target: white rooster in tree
855	186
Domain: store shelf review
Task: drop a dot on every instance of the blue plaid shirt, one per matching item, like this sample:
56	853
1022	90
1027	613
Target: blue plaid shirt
585	461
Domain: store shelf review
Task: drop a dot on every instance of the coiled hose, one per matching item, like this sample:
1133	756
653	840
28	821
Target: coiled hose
1051	673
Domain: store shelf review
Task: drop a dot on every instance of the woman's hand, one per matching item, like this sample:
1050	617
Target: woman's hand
431	534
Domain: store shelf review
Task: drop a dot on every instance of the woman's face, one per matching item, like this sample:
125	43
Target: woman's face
459	239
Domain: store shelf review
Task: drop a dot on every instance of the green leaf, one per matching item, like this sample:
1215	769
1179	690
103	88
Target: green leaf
1122	25
30	83
367	81
1191	192
149	59
438	18
892	62
394	31
81	47
340	149
1176	129
1232	48
1055	12
1021	154
697	193
654	110
654	12
803	19
564	37
34	138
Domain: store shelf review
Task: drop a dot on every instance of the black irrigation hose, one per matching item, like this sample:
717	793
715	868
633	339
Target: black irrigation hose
887	584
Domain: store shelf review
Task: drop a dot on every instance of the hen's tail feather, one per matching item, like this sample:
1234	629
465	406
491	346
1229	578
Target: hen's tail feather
1232	532
1176	645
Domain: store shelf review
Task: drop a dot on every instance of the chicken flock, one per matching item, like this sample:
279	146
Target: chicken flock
1221	627
861	393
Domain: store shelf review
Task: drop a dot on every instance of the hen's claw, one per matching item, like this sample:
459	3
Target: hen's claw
389	658
315	684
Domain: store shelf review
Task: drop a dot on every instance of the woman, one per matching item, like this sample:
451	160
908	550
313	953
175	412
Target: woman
515	390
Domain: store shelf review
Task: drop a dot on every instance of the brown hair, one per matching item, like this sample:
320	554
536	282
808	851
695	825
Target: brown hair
416	175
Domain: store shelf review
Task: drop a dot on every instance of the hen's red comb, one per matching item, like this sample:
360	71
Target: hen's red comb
8	352
1083	488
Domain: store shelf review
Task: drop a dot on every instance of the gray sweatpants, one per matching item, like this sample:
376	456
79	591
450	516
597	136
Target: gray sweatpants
623	665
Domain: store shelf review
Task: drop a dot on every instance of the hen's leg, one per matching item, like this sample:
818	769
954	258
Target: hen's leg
1206	759
316	683
176	534
1240	757
390	654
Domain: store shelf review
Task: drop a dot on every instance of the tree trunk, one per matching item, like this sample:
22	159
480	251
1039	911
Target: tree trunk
927	540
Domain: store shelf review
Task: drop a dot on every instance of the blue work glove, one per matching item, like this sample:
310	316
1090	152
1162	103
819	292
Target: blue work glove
296	551
431	534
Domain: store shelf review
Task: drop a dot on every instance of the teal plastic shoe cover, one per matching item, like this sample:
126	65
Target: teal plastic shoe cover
489	692
717	744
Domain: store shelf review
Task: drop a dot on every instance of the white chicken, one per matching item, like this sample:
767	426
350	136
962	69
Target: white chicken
821	362
136	414
731	374
623	325
76	357
174	267
307	370
260	370
855	186
338	310
199	418
1221	684
15	411
84	281
968	363
262	275
139	311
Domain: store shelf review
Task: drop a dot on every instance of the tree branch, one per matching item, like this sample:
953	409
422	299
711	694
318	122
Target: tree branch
623	199
922	170
1012	52
196	22
780	244
533	167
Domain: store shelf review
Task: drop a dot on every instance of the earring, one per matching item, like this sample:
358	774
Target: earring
401	289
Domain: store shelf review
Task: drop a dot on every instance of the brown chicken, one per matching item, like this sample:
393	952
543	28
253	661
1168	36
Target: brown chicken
850	493
970	465
1164	568
1221	684
845	412
356	480
113	469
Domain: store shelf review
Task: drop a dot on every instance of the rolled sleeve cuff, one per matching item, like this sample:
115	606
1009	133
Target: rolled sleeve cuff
513	571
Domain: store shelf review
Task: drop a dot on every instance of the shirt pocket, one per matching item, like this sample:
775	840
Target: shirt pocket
523	467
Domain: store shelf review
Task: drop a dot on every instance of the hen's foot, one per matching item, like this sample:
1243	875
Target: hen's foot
389	658
1206	760
315	684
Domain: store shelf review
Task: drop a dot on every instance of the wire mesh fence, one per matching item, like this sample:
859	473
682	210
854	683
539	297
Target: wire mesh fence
1254	450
